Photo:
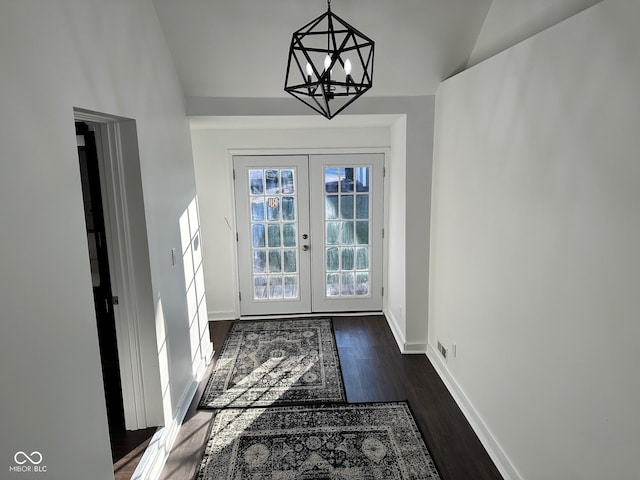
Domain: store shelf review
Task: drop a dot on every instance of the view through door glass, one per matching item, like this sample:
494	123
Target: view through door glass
346	210
309	233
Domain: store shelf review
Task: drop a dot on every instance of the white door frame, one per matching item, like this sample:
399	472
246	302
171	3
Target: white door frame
123	207
386	151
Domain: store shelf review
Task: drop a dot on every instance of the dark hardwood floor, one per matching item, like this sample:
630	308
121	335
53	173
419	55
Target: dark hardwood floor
127	448
374	370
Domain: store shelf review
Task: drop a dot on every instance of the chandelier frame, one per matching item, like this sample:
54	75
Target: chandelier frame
315	85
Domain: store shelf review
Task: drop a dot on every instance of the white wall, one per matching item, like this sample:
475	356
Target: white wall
508	22
108	57
411	141
535	267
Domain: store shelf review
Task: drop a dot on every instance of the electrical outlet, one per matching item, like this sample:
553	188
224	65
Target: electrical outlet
442	350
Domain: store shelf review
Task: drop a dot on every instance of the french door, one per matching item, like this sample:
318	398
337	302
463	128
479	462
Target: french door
309	233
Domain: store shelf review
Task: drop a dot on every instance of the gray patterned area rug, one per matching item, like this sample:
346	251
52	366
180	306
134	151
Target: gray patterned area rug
374	441
276	362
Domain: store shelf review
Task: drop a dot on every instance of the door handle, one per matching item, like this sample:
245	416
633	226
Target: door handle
305	236
305	247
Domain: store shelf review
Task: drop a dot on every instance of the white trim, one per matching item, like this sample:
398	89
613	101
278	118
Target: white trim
156	454
307	151
398	334
491	445
123	281
415	348
311	315
218	316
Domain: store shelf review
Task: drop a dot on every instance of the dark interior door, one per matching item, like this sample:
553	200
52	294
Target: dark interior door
99	260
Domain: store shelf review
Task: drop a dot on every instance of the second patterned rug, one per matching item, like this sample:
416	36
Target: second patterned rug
276	362
368	441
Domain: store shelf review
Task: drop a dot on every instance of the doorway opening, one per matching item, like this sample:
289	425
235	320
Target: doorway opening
104	268
103	298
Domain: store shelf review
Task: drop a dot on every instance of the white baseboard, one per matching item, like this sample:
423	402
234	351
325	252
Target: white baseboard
400	338
216	316
395	329
491	445
415	348
157	453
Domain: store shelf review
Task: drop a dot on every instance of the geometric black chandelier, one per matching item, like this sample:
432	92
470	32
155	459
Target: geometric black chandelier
330	64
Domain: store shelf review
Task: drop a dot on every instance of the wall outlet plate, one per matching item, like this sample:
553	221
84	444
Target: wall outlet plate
442	350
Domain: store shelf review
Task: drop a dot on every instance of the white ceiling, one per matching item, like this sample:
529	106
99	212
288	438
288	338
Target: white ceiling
238	48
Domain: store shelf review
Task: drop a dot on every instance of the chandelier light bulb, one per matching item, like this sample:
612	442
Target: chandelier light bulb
309	72
347	67
327	62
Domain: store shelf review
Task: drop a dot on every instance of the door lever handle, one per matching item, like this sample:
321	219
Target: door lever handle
305	247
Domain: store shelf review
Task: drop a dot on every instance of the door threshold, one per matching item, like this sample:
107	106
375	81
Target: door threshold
309	315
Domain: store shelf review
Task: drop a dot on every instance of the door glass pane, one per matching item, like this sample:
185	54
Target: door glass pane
333	259
290	262
288	209
274	233
275	261
259	261
346	206
289	235
273	209
275	287
260	288
347	233
333	285
272	181
331	207
290	286
362	258
255	182
347	181
362	206
362	283
257	209
258	235
362	179
362	233
332	233
348	287
288	185
347	198
347	258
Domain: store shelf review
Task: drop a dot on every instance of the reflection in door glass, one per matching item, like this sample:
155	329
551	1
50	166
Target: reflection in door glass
274	227
347	198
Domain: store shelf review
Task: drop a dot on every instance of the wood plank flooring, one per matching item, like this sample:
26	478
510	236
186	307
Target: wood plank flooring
374	370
